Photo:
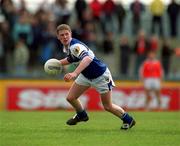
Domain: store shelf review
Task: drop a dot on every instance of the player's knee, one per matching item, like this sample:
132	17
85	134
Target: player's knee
69	99
108	107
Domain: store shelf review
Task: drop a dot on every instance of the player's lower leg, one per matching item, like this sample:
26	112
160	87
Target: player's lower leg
76	91
148	99
81	114
76	104
128	121
158	95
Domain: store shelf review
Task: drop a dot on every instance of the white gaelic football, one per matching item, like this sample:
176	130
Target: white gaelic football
53	66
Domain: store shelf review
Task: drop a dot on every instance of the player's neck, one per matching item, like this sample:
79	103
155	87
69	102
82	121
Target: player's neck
67	46
151	59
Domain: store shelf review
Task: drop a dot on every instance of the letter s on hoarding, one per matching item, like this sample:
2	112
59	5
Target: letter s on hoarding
30	99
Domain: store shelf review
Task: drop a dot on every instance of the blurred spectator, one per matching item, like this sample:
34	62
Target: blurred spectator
48	39
23	25
77	31
91	41
86	18
157	11
7	44
153	43
108	44
125	52
96	10
2	57
37	29
42	18
109	8
9	11
21	56
177	51
151	74
140	48
166	55
22	6
61	11
80	8
88	36
121	14
173	13
136	8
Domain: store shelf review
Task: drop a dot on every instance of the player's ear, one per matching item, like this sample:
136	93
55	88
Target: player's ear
57	36
70	34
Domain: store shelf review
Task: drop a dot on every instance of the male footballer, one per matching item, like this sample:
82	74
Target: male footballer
90	72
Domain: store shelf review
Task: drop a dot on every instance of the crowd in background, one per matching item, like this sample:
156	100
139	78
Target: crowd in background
28	39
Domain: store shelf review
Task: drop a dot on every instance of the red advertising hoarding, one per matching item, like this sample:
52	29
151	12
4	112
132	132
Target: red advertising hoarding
52	98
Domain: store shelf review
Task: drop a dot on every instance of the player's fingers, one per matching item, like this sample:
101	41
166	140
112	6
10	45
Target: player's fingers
66	79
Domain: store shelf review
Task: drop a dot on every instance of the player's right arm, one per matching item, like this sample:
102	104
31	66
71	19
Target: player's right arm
64	61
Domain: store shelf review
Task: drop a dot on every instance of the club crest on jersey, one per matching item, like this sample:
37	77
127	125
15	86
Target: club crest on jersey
76	50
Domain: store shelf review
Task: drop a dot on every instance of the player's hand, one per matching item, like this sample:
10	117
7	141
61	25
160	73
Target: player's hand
70	76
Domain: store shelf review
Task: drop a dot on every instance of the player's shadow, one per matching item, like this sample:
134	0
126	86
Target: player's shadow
88	130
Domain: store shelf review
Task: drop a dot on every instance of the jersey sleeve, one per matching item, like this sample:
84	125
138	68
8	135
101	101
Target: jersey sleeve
79	51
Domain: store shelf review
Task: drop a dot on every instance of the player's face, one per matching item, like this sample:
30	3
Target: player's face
64	36
151	55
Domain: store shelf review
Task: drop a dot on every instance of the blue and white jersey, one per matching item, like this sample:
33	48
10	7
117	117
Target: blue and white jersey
77	51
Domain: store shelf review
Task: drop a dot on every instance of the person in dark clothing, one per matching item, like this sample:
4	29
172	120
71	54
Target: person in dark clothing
121	14
166	56
136	8
78	31
9	11
125	55
7	46
80	8
157	9
108	46
173	13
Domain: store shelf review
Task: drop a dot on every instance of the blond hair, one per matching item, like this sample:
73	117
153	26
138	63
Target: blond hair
63	27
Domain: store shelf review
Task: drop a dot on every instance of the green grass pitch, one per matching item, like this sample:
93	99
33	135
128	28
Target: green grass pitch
103	129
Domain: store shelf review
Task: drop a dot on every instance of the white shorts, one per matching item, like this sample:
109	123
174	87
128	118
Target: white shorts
102	84
152	83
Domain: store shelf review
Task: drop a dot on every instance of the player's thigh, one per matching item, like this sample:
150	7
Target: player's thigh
157	92
148	91
157	84
76	90
148	84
